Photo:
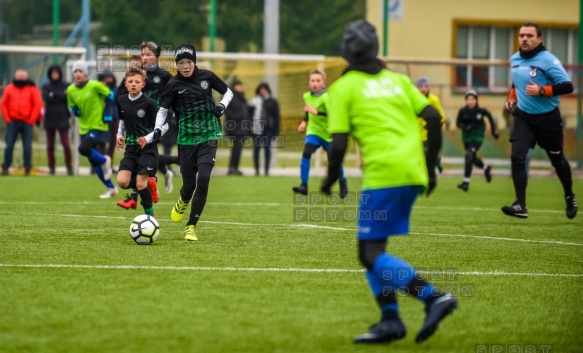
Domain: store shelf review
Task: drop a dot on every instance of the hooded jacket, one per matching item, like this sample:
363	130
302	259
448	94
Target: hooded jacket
54	94
21	101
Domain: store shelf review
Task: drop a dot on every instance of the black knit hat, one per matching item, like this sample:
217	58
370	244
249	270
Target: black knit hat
360	41
185	51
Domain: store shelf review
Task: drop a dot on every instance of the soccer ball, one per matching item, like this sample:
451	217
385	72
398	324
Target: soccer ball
144	229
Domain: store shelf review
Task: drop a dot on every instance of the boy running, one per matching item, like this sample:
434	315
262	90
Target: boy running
470	120
137	114
86	100
316	120
156	80
189	94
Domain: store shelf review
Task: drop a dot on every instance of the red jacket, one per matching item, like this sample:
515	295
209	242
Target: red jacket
21	103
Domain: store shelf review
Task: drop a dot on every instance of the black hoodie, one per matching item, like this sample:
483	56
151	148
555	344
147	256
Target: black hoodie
54	94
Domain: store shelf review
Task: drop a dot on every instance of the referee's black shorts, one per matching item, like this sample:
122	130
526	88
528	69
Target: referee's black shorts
140	161
194	155
546	130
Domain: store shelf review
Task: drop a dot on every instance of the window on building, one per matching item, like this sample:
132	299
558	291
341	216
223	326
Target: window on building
499	43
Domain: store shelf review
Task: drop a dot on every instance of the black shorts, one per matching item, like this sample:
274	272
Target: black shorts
546	130
473	146
193	156
140	161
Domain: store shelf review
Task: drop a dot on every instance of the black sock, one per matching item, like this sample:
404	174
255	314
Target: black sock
519	179
135	193
387	301
416	287
146	197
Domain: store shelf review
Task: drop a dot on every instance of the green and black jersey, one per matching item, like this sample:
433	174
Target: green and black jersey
139	116
192	100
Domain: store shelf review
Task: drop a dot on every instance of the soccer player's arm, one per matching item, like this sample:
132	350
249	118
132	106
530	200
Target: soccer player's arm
220	86
165	103
437	105
71	103
488	116
153	112
433	126
339	128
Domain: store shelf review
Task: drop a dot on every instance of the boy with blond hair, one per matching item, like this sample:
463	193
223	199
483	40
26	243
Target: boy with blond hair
316	126
137	114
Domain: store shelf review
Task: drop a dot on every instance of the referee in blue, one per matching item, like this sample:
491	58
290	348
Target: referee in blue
539	80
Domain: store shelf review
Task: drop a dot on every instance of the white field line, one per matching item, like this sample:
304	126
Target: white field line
313	226
277	269
273	204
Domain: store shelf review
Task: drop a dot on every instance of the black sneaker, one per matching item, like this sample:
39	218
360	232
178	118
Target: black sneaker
302	189
464	186
343	189
436	312
383	332
516	210
571	208
488	174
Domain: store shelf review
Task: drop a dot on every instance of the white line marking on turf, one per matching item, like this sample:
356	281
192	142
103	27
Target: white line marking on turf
501	238
272	204
314	226
277	269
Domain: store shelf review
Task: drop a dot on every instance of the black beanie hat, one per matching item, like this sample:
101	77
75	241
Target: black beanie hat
185	51
359	41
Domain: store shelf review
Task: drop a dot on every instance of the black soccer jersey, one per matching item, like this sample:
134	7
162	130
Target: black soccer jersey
139	116
192	100
156	80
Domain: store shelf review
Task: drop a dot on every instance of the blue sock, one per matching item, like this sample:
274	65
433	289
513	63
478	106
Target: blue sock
99	174
398	273
305	170
393	271
96	158
108	183
374	283
342	173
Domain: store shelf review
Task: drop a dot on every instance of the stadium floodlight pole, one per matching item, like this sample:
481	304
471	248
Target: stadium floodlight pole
55	28
579	73
212	25
386	28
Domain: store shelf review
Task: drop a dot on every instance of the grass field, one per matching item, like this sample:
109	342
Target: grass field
258	280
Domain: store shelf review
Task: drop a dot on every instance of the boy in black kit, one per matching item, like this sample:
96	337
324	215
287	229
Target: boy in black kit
189	94
156	79
137	115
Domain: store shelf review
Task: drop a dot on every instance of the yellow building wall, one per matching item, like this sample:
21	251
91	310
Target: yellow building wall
426	30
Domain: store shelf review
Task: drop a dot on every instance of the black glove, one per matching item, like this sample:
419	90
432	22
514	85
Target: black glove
431	186
157	135
326	186
219	110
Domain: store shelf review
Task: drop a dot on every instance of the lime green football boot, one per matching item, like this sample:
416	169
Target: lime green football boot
178	210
